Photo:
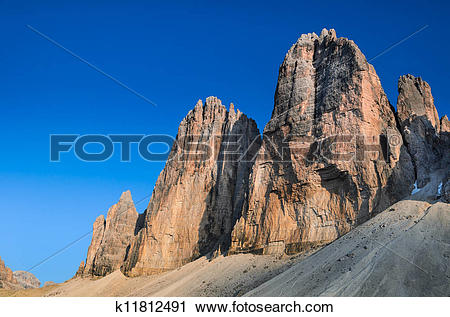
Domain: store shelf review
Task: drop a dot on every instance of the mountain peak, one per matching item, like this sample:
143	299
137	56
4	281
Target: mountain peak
287	197
415	100
126	197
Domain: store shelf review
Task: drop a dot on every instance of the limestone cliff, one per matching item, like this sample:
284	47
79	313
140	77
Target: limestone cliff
332	155
7	279
26	279
16	279
427	141
111	238
201	191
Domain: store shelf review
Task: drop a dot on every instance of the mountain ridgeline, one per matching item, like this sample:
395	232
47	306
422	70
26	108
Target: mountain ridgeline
334	153
16	280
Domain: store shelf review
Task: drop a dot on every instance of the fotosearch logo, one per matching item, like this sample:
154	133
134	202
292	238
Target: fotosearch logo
229	148
60	143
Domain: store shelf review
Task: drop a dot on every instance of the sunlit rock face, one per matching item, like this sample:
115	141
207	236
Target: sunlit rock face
201	191
111	238
332	155
7	279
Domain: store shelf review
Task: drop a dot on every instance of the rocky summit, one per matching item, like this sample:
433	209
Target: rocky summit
7	279
200	193
427	141
16	280
334	154
26	279
111	238
343	158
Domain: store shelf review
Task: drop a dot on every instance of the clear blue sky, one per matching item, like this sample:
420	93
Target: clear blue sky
173	54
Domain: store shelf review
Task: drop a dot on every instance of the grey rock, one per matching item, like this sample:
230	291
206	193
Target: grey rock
420	126
26	279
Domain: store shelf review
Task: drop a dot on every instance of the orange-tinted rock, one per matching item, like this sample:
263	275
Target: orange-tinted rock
328	100
111	238
17	279
7	279
332	156
97	236
445	125
197	197
81	267
444	133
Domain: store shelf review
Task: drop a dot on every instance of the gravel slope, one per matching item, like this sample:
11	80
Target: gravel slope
404	251
222	276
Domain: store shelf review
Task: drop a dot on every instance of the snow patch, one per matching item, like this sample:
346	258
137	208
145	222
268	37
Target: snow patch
415	189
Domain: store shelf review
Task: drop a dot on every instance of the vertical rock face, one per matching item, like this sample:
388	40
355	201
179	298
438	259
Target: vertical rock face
445	125
445	189
415	100
201	191
81	269
444	137
7	278
427	141
331	155
111	238
97	237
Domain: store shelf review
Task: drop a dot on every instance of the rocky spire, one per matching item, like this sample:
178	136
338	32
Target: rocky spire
332	156
419	121
126	197
199	194
111	238
7	279
98	232
328	100
415	100
445	125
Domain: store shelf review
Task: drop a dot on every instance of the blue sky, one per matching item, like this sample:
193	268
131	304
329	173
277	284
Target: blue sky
173	54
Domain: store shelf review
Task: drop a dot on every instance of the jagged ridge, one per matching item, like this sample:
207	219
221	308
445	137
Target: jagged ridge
282	204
